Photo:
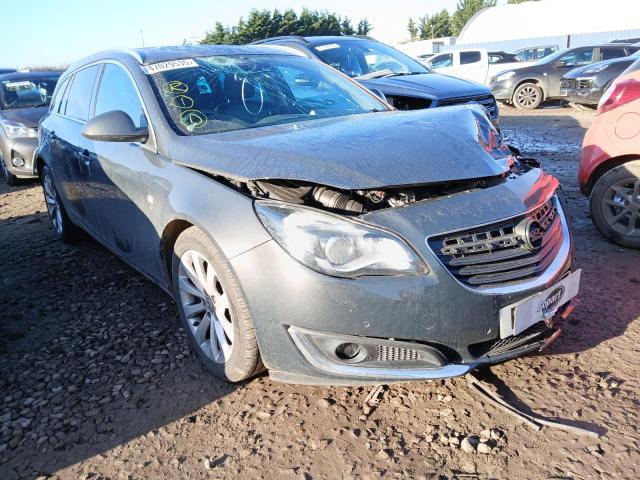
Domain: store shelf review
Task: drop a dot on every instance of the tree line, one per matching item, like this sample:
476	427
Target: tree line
261	24
443	24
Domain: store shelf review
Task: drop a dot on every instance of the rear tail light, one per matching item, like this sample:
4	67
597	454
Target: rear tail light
619	94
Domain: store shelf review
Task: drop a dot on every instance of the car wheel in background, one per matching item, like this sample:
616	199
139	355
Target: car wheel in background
615	204
213	309
7	176
527	96
62	225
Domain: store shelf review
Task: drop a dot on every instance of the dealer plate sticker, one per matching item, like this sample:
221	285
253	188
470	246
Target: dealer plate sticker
171	65
519	316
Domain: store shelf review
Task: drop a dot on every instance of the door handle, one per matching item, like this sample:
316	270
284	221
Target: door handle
86	157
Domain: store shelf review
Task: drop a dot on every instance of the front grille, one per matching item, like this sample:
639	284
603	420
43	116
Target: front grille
397	354
534	333
487	101
580	84
504	253
568	83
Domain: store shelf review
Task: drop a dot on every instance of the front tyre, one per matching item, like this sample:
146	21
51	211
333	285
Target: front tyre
615	204
9	178
527	96
64	228
213	309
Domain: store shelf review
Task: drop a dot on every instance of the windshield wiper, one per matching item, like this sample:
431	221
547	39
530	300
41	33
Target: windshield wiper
403	74
376	74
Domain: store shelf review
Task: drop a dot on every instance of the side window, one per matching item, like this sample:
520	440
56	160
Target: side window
469	57
55	103
117	92
79	98
609	53
583	56
441	61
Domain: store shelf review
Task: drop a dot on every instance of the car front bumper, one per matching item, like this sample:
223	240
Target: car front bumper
18	155
502	90
300	316
586	92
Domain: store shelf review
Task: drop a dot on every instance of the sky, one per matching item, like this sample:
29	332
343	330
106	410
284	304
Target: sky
45	32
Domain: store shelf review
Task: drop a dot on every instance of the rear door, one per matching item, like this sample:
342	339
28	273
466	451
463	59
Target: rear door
64	127
473	65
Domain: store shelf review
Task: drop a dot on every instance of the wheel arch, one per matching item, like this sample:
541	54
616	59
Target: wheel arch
604	167
534	80
170	234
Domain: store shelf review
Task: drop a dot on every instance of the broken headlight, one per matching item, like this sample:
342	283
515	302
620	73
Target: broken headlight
335	246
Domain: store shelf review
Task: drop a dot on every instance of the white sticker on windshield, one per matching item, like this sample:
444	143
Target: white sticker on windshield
22	84
171	65
328	46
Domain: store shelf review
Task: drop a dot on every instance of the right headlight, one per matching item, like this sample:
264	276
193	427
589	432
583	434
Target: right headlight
504	76
17	130
336	246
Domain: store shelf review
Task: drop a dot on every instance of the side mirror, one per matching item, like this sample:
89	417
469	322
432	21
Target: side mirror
561	63
114	126
378	93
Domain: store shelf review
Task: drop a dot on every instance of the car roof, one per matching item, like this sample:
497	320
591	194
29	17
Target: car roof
314	40
31	74
151	55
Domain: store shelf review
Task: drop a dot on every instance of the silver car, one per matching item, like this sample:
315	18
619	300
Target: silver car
24	99
301	224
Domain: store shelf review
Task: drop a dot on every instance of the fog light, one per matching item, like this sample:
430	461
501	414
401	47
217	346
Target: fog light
17	161
347	351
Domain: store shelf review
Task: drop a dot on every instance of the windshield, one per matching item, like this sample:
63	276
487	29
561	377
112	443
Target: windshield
356	58
26	92
222	93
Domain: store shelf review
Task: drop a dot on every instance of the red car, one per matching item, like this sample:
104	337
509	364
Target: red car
610	165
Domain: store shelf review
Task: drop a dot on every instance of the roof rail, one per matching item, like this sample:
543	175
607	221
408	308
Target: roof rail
130	51
281	37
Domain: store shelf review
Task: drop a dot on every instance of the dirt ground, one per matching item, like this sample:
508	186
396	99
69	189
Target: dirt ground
97	380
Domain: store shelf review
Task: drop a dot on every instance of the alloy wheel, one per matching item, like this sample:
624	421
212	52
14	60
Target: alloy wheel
206	306
528	96
51	197
621	207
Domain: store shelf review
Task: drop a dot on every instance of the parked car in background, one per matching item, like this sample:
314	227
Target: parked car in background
529	86
586	85
610	165
24	99
301	223
474	65
624	40
6	70
502	57
405	82
532	54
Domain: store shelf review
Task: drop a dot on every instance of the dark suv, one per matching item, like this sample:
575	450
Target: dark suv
406	83
528	87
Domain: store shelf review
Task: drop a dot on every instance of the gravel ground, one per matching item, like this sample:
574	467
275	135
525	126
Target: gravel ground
97	380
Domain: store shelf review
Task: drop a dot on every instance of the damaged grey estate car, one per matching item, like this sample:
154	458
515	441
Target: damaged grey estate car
301	224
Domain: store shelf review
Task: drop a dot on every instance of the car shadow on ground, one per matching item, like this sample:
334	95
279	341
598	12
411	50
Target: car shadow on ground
92	355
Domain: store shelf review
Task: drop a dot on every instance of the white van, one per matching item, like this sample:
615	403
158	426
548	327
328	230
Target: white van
469	64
